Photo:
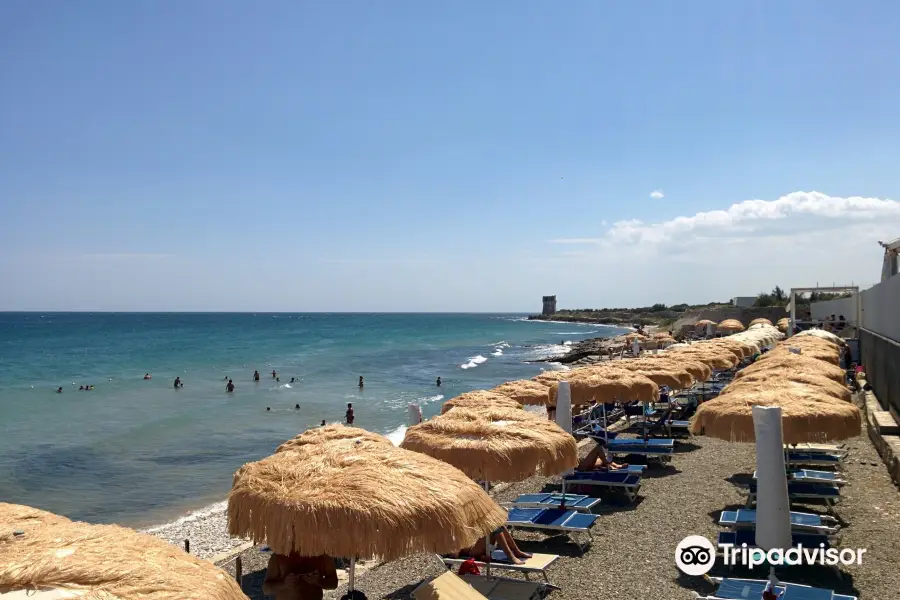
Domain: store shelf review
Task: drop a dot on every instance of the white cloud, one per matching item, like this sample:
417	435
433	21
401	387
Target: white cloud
577	241
657	194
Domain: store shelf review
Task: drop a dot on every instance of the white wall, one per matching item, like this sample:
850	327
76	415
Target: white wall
744	301
842	306
881	308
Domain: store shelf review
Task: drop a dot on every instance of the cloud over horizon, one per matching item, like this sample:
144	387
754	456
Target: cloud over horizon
657	194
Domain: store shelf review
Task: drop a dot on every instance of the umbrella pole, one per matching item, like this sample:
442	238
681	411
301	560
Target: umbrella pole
352	575
487	542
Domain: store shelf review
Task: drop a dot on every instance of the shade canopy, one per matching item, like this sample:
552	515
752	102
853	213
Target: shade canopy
808	415
630	337
661	372
495	445
524	391
773	361
480	399
703	323
318	435
714	358
773	378
698	370
741	349
783	324
548	378
106	562
823	335
358	498
730	325
828	355
760	321
608	385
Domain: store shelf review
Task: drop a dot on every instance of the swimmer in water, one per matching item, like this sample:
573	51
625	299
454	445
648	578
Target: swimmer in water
268	409
349	414
323	423
292	380
360	381
278	380
255	375
274	374
177	382
296	407
230	386
439	382
147	376
80	387
59	390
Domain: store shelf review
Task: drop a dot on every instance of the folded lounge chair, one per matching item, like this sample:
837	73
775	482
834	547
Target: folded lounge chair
817	448
804	491
744	589
569	522
627	481
568	501
810	476
537	564
818	459
748	536
800	522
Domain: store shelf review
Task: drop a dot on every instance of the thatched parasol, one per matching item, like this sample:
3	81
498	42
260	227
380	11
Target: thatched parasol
714	358
318	435
730	325
607	385
524	391
548	378
661	372
103	561
823	335
827	354
495	445
783	324
703	323
778	377
760	321
788	361
480	399
741	349
358	498
808	415
698	370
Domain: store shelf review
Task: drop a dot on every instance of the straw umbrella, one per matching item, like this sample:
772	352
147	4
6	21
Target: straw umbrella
608	384
829	354
783	324
661	372
696	369
760	321
703	323
102	561
318	435
714	358
630	337
781	378
808	415
730	325
495	444
480	399
548	378
358	498
823	335
794	362
741	349
524	391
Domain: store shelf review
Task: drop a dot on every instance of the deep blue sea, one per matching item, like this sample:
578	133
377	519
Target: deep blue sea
141	452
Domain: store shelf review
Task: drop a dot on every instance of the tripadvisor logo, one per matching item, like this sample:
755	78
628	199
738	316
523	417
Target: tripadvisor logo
695	555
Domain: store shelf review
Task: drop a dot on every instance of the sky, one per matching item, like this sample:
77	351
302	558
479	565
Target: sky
426	156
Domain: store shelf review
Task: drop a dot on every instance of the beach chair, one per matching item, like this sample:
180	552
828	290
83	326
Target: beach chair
577	502
501	588
800	522
744	589
817	459
811	476
627	481
739	537
830	494
665	425
817	448
536	565
569	522
659	449
447	586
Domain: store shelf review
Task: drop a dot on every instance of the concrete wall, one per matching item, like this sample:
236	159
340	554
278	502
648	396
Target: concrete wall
881	308
841	306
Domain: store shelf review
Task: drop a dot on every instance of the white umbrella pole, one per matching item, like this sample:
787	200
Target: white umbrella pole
351	580
564	406
605	424
773	510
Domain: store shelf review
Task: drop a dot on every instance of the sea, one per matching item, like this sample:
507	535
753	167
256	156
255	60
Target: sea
140	452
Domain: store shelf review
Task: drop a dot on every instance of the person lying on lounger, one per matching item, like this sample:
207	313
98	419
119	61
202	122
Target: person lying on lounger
502	540
598	460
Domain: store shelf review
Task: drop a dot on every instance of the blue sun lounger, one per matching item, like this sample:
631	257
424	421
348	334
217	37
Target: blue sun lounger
804	491
818	459
744	589
661	449
627	481
800	522
748	536
811	476
577	502
569	522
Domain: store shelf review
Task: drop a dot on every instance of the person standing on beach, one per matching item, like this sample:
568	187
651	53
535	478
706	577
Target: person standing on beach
349	414
230	387
297	577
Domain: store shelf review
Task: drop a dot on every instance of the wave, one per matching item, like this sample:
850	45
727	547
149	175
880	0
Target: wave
474	361
500	344
574	332
497	352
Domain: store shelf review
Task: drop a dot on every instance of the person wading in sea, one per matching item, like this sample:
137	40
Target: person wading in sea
299	577
230	386
349	414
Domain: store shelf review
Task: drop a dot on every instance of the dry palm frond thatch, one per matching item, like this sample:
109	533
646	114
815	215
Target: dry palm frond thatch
808	415
823	335
703	323
777	377
358	498
788	361
104	561
317	435
661	372
730	325
495	445
783	324
827	354
760	321
524	391
714	358
480	399
607	385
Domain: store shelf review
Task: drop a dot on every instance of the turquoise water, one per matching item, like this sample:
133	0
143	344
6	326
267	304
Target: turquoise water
140	452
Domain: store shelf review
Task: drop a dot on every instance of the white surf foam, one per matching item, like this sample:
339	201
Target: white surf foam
396	436
497	352
474	361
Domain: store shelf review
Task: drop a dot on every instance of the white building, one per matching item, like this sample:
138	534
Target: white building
743	301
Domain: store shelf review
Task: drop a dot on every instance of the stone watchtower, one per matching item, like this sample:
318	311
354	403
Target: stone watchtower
549	305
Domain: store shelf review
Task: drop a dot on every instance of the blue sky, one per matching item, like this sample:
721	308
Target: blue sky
218	155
